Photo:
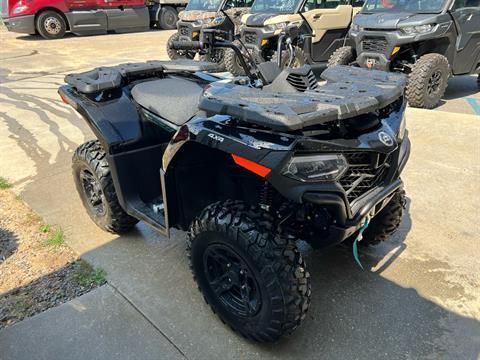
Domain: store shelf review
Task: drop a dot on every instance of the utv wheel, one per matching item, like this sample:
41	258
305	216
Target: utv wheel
168	18
95	185
178	54
51	25
342	56
427	81
232	63
299	58
218	56
253	279
384	225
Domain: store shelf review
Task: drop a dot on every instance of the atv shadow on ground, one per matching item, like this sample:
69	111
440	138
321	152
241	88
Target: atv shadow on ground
461	86
8	244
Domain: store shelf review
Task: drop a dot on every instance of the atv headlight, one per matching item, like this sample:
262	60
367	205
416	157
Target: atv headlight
278	26
211	21
325	167
419	29
355	27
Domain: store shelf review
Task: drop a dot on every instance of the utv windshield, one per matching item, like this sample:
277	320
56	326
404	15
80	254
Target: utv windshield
276	6
204	5
411	6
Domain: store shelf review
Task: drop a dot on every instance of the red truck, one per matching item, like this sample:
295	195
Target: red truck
52	18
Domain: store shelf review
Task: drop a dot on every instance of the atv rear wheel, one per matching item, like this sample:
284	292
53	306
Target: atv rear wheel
299	58
386	222
95	186
218	57
167	19
427	81
342	56
178	54
232	63
253	279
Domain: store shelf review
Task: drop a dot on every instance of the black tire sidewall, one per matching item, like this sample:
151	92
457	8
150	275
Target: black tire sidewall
40	24
299	57
232	63
220	62
78	166
419	77
174	54
342	56
165	12
199	246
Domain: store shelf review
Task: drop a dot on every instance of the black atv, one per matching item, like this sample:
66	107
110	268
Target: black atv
427	39
246	166
223	15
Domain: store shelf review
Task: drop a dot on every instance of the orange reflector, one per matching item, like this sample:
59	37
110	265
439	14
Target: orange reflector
252	166
64	99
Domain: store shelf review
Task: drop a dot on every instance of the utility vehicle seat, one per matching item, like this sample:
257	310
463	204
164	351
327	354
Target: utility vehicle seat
174	99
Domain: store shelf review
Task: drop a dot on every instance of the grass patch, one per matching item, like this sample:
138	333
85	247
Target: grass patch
56	237
46	228
86	275
4	184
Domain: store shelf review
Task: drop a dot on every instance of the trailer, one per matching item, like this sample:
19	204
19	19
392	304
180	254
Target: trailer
53	18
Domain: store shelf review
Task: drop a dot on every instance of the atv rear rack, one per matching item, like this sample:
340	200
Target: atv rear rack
349	92
108	78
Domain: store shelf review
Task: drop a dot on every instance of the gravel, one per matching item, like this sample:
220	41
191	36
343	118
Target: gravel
35	276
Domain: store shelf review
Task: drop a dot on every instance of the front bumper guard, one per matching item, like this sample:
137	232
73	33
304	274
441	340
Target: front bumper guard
344	227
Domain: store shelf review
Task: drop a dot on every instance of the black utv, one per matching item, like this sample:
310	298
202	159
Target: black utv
430	40
246	166
223	15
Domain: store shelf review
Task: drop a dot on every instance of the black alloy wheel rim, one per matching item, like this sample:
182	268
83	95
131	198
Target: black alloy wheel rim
434	82
231	280
93	192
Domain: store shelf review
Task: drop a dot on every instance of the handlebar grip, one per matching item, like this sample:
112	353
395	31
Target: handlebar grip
187	45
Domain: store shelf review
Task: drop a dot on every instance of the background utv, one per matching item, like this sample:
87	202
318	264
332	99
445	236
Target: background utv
323	28
247	167
428	40
223	15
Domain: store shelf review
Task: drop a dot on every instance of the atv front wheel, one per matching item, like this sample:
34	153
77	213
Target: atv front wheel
253	279
427	81
95	186
342	56
299	58
386	222
178	54
232	63
217	56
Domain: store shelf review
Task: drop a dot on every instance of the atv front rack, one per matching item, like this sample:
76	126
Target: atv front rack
107	78
349	92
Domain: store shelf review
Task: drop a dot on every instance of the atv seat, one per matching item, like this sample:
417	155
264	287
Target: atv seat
174	99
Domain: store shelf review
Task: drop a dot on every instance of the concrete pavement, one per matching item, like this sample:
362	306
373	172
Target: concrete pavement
66	331
420	298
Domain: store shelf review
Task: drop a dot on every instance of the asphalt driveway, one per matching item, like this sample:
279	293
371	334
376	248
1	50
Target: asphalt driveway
419	297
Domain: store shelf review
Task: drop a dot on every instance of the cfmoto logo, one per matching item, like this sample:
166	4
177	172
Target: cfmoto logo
386	139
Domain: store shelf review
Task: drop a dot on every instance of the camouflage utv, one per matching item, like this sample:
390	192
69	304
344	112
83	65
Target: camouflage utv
323	27
224	15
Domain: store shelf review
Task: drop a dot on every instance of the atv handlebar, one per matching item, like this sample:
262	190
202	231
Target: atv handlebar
187	45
